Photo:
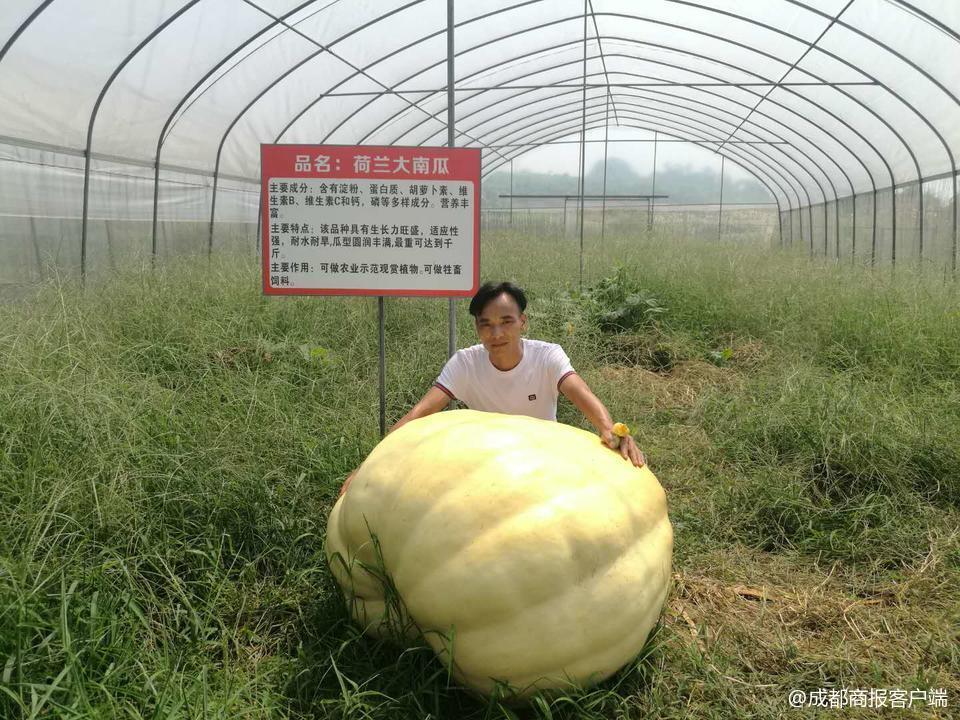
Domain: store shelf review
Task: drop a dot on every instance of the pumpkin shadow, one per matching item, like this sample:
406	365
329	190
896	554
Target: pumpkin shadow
337	671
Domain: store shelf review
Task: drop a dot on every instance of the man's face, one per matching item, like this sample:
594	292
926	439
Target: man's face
500	326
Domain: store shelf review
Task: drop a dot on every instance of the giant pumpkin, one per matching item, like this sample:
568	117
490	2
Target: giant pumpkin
525	552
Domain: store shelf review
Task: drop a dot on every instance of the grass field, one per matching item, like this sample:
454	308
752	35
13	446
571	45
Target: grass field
172	441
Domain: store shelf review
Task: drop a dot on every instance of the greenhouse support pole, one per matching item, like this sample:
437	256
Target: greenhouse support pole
853	236
36	246
810	218
213	214
451	142
953	257
780	222
873	244
606	143
653	190
836	217
109	235
511	192
257	238
583	137
893	223
920	249
826	226
88	151
800	223
720	215
156	200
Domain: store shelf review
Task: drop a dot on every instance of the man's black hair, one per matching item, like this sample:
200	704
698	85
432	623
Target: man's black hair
488	291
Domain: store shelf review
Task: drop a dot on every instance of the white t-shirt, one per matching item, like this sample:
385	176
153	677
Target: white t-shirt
530	388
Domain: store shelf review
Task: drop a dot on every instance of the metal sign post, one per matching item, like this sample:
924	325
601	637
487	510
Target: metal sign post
383	369
451	142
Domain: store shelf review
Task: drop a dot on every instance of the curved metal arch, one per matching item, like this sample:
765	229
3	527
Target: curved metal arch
757	149
170	118
800	40
670	95
748	20
929	18
323	48
903	59
123	64
676	125
148	39
789	110
278	20
389	55
281	20
839	59
696	32
807	100
775	122
890	90
658	99
23	26
754	50
946	145
774	167
93	119
369	102
275	21
573	129
943	27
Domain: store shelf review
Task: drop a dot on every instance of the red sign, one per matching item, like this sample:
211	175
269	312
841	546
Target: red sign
370	220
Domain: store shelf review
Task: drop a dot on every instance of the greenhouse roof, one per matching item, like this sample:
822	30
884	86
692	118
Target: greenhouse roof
818	99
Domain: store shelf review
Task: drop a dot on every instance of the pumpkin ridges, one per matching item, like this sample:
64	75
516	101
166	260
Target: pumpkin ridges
602	523
517	534
462	484
605	619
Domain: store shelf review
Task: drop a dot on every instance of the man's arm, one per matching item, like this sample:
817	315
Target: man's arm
434	401
578	392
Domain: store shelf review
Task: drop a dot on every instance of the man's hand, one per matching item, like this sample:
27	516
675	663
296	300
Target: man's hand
628	448
434	401
579	393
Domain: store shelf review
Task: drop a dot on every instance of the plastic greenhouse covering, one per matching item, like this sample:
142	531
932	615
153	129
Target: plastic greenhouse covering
136	126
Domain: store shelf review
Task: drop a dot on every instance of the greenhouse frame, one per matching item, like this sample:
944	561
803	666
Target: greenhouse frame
136	126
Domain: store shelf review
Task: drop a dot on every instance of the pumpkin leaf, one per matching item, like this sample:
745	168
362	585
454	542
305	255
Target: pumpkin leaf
315	354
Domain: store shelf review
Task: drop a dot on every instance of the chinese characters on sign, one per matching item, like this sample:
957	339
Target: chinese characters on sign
370	220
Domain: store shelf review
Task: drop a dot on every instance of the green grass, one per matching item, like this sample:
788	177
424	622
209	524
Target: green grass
172	441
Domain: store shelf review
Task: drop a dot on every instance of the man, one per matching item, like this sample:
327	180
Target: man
510	374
